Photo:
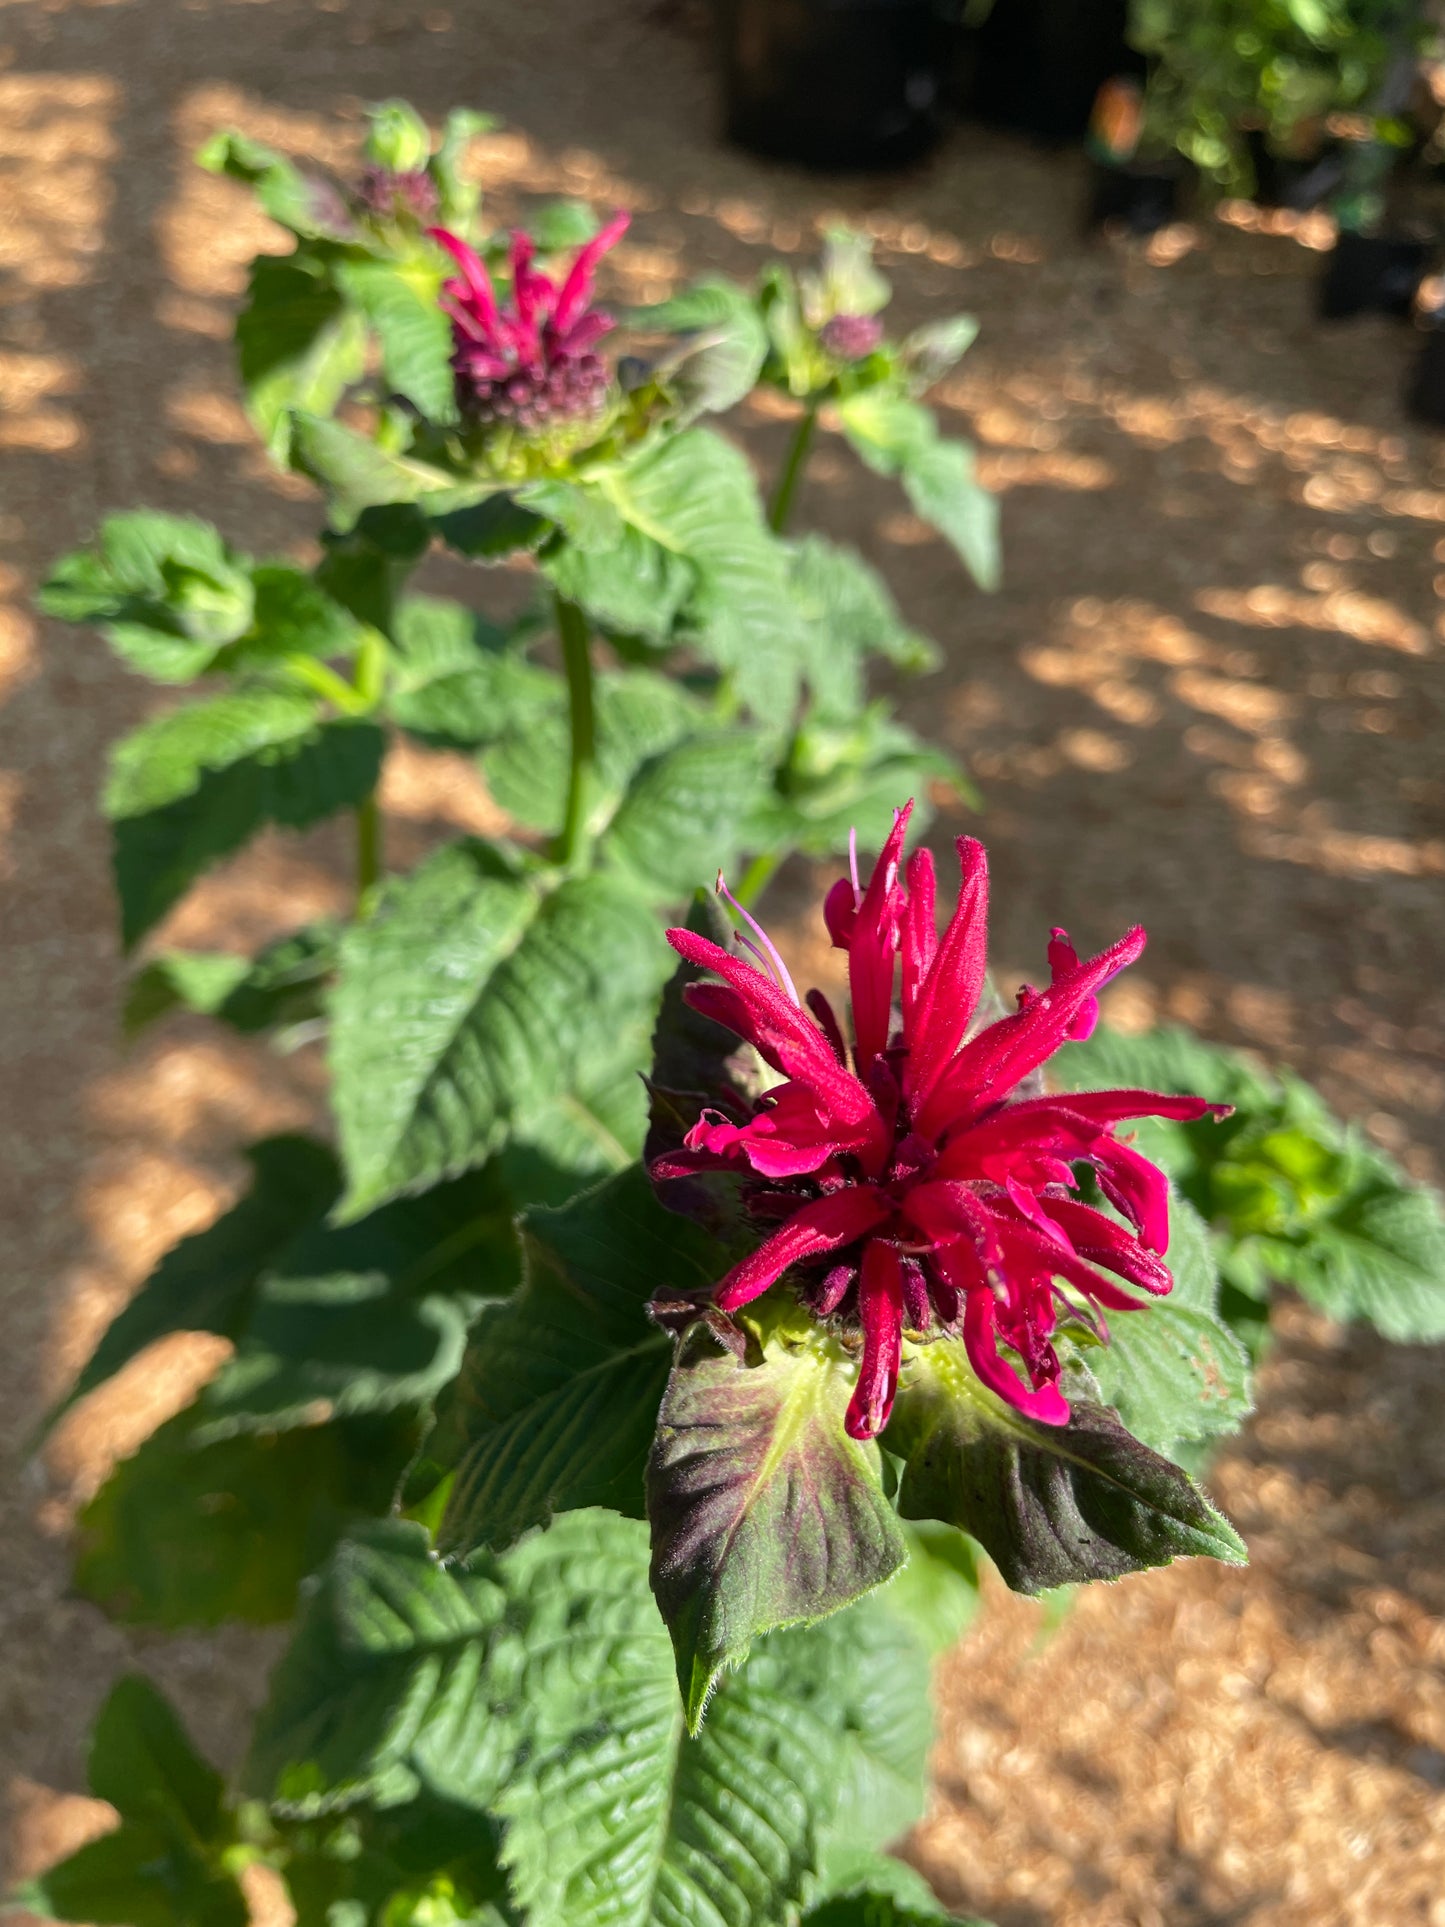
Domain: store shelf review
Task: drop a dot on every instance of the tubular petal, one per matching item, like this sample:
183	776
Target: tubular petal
980	1337
825	1225
949	994
873	950
880	1309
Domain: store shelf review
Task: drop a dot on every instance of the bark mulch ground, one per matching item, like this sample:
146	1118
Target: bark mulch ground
1208	698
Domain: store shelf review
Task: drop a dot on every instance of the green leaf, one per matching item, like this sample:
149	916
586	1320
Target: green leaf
358	473
1174	1370
384	1686
492	529
460	196
294	616
183	1534
697	558
162	1866
304	203
937	1592
850	615
885	428
764	1512
562	224
889	1899
558	1397
427	1863
612	1812
640	714
365	567
468	1003
1050	1504
299	344
941	484
456	683
723	344
402	301
683	815
843	776
194	786
164	590
281	986
930	351
397	138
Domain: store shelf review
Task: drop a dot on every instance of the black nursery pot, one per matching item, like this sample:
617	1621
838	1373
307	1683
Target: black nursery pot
1425	384
1371	274
832	83
1036	65
1140	200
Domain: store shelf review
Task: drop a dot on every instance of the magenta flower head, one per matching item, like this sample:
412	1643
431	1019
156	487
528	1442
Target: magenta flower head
532	360
915	1184
850	337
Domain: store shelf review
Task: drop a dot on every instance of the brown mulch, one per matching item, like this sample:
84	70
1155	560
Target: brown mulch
1208	698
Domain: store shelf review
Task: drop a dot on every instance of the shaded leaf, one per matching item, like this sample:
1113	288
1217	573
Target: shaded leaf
183	1534
402	301
162	1866
365	567
194	786
456	683
281	986
558	1397
299	345
682	817
722	346
358	473
1050	1504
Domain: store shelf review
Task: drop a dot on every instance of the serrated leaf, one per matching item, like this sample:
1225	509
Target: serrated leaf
639	714
365	567
764	1512
294	616
850	614
383	1682
682	817
426	1863
164	590
1051	1505
299	345
456	683
469	1002
885	1900
613	1815
402	301
493	529
183	1534
558	1397
1174	1370
838	777
194	786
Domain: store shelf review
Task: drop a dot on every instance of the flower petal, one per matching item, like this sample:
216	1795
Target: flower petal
880	1308
1138	1188
992	1063
948	996
873	949
920	929
825	1225
576	290
980	1338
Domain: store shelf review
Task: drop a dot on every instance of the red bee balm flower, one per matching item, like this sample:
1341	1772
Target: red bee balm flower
915	1188
531	363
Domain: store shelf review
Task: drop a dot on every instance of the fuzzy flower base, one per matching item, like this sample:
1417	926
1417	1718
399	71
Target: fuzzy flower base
906	1185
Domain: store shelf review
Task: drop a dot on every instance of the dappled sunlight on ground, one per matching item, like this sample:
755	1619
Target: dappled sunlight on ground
1209	697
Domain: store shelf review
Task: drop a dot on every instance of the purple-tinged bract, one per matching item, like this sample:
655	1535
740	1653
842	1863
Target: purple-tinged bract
851	337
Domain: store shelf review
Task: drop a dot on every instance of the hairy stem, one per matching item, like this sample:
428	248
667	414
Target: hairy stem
577	661
792	475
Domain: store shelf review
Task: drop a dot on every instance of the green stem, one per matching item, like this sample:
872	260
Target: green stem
756	878
368	854
577	661
793	468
